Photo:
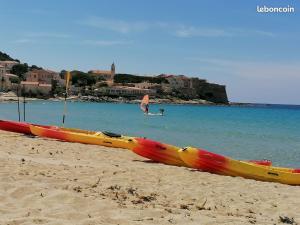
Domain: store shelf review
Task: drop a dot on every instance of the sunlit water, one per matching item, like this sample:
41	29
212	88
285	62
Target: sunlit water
271	132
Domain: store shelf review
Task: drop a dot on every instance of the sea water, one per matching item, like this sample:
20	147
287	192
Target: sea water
248	132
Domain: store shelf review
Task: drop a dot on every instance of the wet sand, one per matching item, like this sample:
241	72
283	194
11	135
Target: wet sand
44	181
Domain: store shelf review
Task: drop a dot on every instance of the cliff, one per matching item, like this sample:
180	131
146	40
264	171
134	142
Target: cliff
213	92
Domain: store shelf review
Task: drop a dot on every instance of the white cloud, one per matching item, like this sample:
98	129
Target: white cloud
186	32
119	26
106	42
191	31
23	41
47	35
177	29
34	37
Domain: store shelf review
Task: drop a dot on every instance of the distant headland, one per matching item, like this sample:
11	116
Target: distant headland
105	85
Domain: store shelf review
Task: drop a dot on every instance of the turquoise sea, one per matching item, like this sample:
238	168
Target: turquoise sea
247	132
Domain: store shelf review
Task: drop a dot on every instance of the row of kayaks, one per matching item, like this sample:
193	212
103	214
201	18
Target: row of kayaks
106	139
164	153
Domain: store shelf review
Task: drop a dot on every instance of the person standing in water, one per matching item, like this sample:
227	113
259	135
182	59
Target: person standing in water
161	111
147	108
145	104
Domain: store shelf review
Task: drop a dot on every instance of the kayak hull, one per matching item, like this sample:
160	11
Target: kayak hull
214	163
17	127
84	137
158	152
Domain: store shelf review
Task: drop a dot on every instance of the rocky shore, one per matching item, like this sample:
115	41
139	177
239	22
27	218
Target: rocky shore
12	97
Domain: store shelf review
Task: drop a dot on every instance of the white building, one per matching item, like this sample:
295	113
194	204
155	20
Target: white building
2	70
8	65
5	79
126	91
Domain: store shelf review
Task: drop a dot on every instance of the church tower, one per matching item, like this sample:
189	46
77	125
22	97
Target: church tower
112	73
113	70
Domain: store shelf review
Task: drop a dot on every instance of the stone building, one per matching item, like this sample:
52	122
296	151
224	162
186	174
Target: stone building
2	70
8	65
43	76
125	91
147	85
6	78
40	81
107	75
194	87
33	87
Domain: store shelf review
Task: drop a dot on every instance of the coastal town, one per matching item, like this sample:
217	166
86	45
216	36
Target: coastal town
34	81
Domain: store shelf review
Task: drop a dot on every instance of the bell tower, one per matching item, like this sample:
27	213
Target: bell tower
113	69
112	73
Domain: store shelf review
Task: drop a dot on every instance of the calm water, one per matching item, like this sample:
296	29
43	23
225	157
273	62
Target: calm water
271	132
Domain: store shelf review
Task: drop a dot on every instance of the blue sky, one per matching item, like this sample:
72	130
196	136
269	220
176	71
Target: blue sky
257	56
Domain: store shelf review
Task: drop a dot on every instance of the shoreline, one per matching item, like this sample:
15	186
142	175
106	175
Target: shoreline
105	99
11	98
51	182
174	101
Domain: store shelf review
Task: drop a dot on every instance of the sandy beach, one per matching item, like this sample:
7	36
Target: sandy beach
44	181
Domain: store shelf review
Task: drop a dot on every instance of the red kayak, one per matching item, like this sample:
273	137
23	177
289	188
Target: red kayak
18	127
159	152
168	154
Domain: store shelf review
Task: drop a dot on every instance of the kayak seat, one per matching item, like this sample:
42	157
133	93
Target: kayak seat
110	134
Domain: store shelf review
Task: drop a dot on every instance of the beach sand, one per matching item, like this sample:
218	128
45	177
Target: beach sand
44	181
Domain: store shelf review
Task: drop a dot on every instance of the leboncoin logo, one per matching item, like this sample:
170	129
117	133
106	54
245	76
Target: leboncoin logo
266	9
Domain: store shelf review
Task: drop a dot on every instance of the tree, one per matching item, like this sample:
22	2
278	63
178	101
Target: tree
34	67
53	86
14	80
129	78
2	83
62	74
81	79
6	57
20	70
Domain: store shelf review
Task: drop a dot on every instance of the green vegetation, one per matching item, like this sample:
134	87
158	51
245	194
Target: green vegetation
6	57
97	77
14	80
2	83
81	79
34	67
56	89
62	74
20	70
129	78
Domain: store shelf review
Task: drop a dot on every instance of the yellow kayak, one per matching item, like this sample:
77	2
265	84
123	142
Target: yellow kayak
159	152
214	163
86	137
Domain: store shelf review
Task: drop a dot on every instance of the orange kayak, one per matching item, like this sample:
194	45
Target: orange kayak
159	152
215	163
17	127
85	137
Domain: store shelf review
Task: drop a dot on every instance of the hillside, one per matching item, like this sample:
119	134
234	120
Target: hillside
6	57
129	78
